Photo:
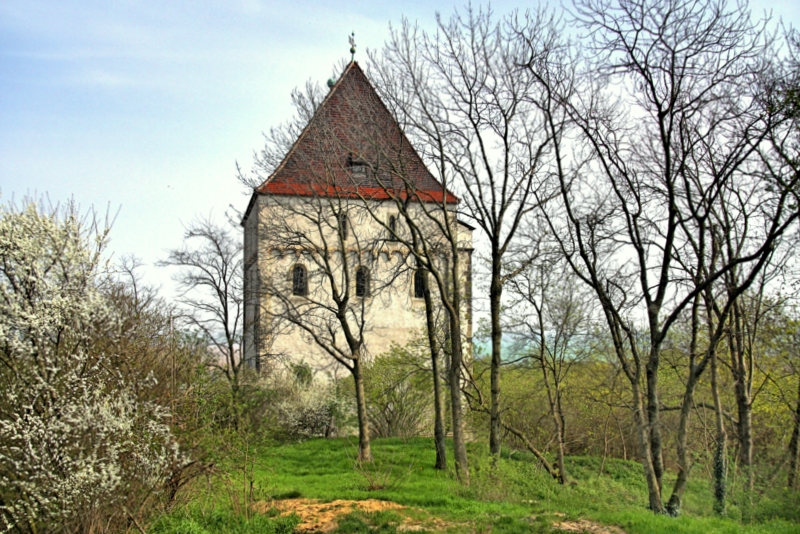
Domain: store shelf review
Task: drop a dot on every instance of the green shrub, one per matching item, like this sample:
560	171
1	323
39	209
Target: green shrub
399	392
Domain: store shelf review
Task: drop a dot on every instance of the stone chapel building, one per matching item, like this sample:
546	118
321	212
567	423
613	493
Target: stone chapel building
324	229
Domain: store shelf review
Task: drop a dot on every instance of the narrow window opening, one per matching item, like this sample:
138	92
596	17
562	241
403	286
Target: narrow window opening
299	281
392	227
343	226
419	284
362	282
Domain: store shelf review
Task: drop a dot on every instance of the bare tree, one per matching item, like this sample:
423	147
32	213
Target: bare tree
431	236
668	128
474	113
490	131
429	233
784	147
439	248
440	244
550	313
210	280
432	319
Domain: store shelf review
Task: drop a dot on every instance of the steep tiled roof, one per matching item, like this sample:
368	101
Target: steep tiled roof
353	148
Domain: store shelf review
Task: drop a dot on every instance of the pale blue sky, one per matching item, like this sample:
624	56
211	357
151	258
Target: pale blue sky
145	106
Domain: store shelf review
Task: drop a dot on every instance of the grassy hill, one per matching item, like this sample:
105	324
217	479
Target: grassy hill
256	485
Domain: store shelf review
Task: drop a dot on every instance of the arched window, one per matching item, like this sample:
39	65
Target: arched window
419	284
299	280
392	227
343	225
362	282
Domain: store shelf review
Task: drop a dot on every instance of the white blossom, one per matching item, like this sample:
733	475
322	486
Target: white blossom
72	433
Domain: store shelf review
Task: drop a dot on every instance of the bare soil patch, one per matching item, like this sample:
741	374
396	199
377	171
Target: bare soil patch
322	517
319	516
584	525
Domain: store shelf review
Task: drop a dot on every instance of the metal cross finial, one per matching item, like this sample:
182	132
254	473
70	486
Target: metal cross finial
352	46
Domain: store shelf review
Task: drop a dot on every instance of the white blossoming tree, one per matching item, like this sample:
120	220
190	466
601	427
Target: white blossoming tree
75	437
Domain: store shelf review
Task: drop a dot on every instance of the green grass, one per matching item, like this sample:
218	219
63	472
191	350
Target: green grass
513	496
216	520
385	522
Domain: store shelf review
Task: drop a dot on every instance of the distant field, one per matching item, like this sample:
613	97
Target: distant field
515	496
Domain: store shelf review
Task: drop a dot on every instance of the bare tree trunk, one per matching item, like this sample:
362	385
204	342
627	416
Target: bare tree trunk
533	450
438	406
745	413
438	423
684	462
794	448
653	486
695	370
457	410
653	415
236	404
720	451
562	466
741	375
558	420
364	451
211	280
495	295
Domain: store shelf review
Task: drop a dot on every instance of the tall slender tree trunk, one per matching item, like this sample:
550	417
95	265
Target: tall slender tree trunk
640	419
364	450
684	463
640	416
438	422
438	404
745	432
720	451
456	409
456	362
742	373
236	405
558	419
794	444
653	410
495	295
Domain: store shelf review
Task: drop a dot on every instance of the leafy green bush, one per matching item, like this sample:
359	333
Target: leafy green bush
399	392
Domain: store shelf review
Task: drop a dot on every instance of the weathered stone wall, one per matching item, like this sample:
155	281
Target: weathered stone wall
390	314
